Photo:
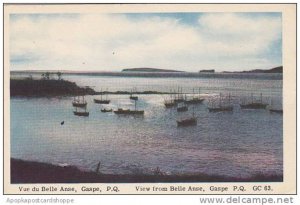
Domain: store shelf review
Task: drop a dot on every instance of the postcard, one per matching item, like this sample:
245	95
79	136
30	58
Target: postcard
150	99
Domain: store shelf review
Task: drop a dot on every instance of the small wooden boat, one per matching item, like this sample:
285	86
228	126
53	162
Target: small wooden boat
179	97
132	97
254	105
195	99
279	111
187	122
223	106
275	109
106	110
129	112
99	101
182	108
170	104
79	103
221	109
82	113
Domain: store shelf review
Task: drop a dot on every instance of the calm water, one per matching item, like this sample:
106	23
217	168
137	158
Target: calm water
240	143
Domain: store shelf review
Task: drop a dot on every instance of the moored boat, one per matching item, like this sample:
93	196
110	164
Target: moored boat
77	102
129	112
279	111
224	105
106	110
187	122
82	113
254	104
182	108
101	100
122	111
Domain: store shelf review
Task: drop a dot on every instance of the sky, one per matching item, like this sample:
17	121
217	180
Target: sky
111	42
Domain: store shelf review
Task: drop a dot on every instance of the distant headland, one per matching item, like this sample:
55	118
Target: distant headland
46	88
278	69
148	70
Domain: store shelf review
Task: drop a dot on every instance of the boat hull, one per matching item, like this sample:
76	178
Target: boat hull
134	98
179	100
276	111
220	109
104	110
254	106
101	101
75	104
83	114
182	109
194	101
170	104
187	122
129	112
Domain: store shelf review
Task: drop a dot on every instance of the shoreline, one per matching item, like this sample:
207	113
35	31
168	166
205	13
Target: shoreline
29	87
23	171
57	88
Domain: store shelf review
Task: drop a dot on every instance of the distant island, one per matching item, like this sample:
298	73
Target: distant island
148	70
278	69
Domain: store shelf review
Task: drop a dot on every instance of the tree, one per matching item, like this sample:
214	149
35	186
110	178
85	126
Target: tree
47	75
59	75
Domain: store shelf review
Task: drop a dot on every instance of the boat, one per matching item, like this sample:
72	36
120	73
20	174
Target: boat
179	98
101	100
182	108
129	112
121	111
254	105
79	103
275	109
187	122
221	109
194	100
170	103
106	110
223	106
83	113
279	111
132	97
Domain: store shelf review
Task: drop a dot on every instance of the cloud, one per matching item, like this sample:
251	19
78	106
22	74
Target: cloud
110	42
